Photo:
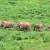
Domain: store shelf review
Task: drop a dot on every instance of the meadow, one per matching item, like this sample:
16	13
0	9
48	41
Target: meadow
30	11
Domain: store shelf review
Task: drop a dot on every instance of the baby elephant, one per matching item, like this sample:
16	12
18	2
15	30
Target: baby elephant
6	24
38	26
23	26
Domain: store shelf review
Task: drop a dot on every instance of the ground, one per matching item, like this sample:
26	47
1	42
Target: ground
30	11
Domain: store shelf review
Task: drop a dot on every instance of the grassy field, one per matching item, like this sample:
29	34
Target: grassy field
25	10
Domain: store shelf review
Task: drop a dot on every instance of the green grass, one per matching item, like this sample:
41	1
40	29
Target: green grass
25	10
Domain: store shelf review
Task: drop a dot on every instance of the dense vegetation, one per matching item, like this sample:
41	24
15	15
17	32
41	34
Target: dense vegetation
25	10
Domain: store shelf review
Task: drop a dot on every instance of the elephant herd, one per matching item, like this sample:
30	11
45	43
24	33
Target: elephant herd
23	26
